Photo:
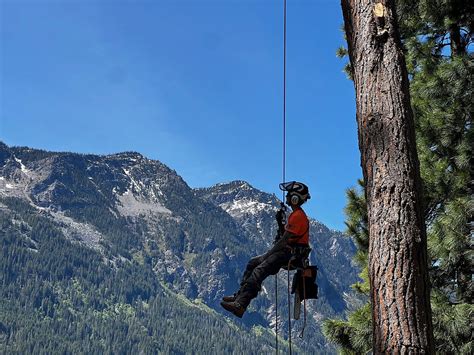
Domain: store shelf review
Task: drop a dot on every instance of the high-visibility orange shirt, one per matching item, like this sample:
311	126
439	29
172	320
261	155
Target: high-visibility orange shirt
298	224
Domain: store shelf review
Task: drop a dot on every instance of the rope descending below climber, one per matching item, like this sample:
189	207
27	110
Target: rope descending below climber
294	235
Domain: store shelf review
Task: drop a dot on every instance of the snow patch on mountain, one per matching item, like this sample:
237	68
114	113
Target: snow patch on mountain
335	247
133	182
22	166
238	208
11	188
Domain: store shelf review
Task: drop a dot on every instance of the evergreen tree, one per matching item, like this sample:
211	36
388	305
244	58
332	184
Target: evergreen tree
438	42
398	266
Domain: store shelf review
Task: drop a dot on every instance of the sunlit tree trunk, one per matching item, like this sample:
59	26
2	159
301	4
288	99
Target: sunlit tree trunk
398	267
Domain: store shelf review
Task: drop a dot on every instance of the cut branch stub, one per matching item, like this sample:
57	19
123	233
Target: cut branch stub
379	10
379	13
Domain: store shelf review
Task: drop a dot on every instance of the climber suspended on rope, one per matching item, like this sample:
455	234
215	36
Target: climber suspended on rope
291	236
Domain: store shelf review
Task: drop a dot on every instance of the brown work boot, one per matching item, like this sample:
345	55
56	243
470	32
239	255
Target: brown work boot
234	307
229	298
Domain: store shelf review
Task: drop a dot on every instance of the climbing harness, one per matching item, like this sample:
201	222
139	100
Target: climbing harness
304	281
300	262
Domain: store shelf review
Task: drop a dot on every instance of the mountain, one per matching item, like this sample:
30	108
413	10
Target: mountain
117	253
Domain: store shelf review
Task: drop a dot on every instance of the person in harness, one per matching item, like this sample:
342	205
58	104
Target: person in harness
293	235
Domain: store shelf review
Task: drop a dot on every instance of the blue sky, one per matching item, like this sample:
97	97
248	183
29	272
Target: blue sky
194	84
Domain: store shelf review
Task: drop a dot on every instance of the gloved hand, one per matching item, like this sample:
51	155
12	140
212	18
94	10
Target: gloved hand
280	217
281	220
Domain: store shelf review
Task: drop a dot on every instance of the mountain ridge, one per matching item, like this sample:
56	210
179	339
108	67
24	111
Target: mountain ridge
132	209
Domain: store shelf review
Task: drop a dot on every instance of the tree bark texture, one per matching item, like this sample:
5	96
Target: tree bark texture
398	267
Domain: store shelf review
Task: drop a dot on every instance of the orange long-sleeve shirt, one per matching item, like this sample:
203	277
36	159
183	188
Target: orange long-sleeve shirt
298	224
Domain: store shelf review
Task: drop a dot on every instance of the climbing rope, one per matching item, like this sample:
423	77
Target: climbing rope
284	96
283	199
276	313
283	163
289	307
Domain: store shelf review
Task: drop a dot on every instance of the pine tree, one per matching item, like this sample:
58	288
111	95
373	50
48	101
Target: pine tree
438	42
398	268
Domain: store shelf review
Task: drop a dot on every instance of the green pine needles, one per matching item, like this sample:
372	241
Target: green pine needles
354	336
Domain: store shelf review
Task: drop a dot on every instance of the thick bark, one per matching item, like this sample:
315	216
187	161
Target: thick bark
398	267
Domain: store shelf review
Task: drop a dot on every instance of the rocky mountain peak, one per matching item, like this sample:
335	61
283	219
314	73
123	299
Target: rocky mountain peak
235	191
127	155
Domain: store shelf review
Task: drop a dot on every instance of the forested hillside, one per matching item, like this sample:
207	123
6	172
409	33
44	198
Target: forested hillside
117	253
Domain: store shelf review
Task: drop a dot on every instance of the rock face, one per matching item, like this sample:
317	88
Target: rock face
197	242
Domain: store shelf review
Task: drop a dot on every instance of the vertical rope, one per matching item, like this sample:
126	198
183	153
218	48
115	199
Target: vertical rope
284	96
283	162
276	313
289	307
284	154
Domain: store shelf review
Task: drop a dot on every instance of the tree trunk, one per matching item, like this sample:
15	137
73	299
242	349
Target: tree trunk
456	43
398	267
